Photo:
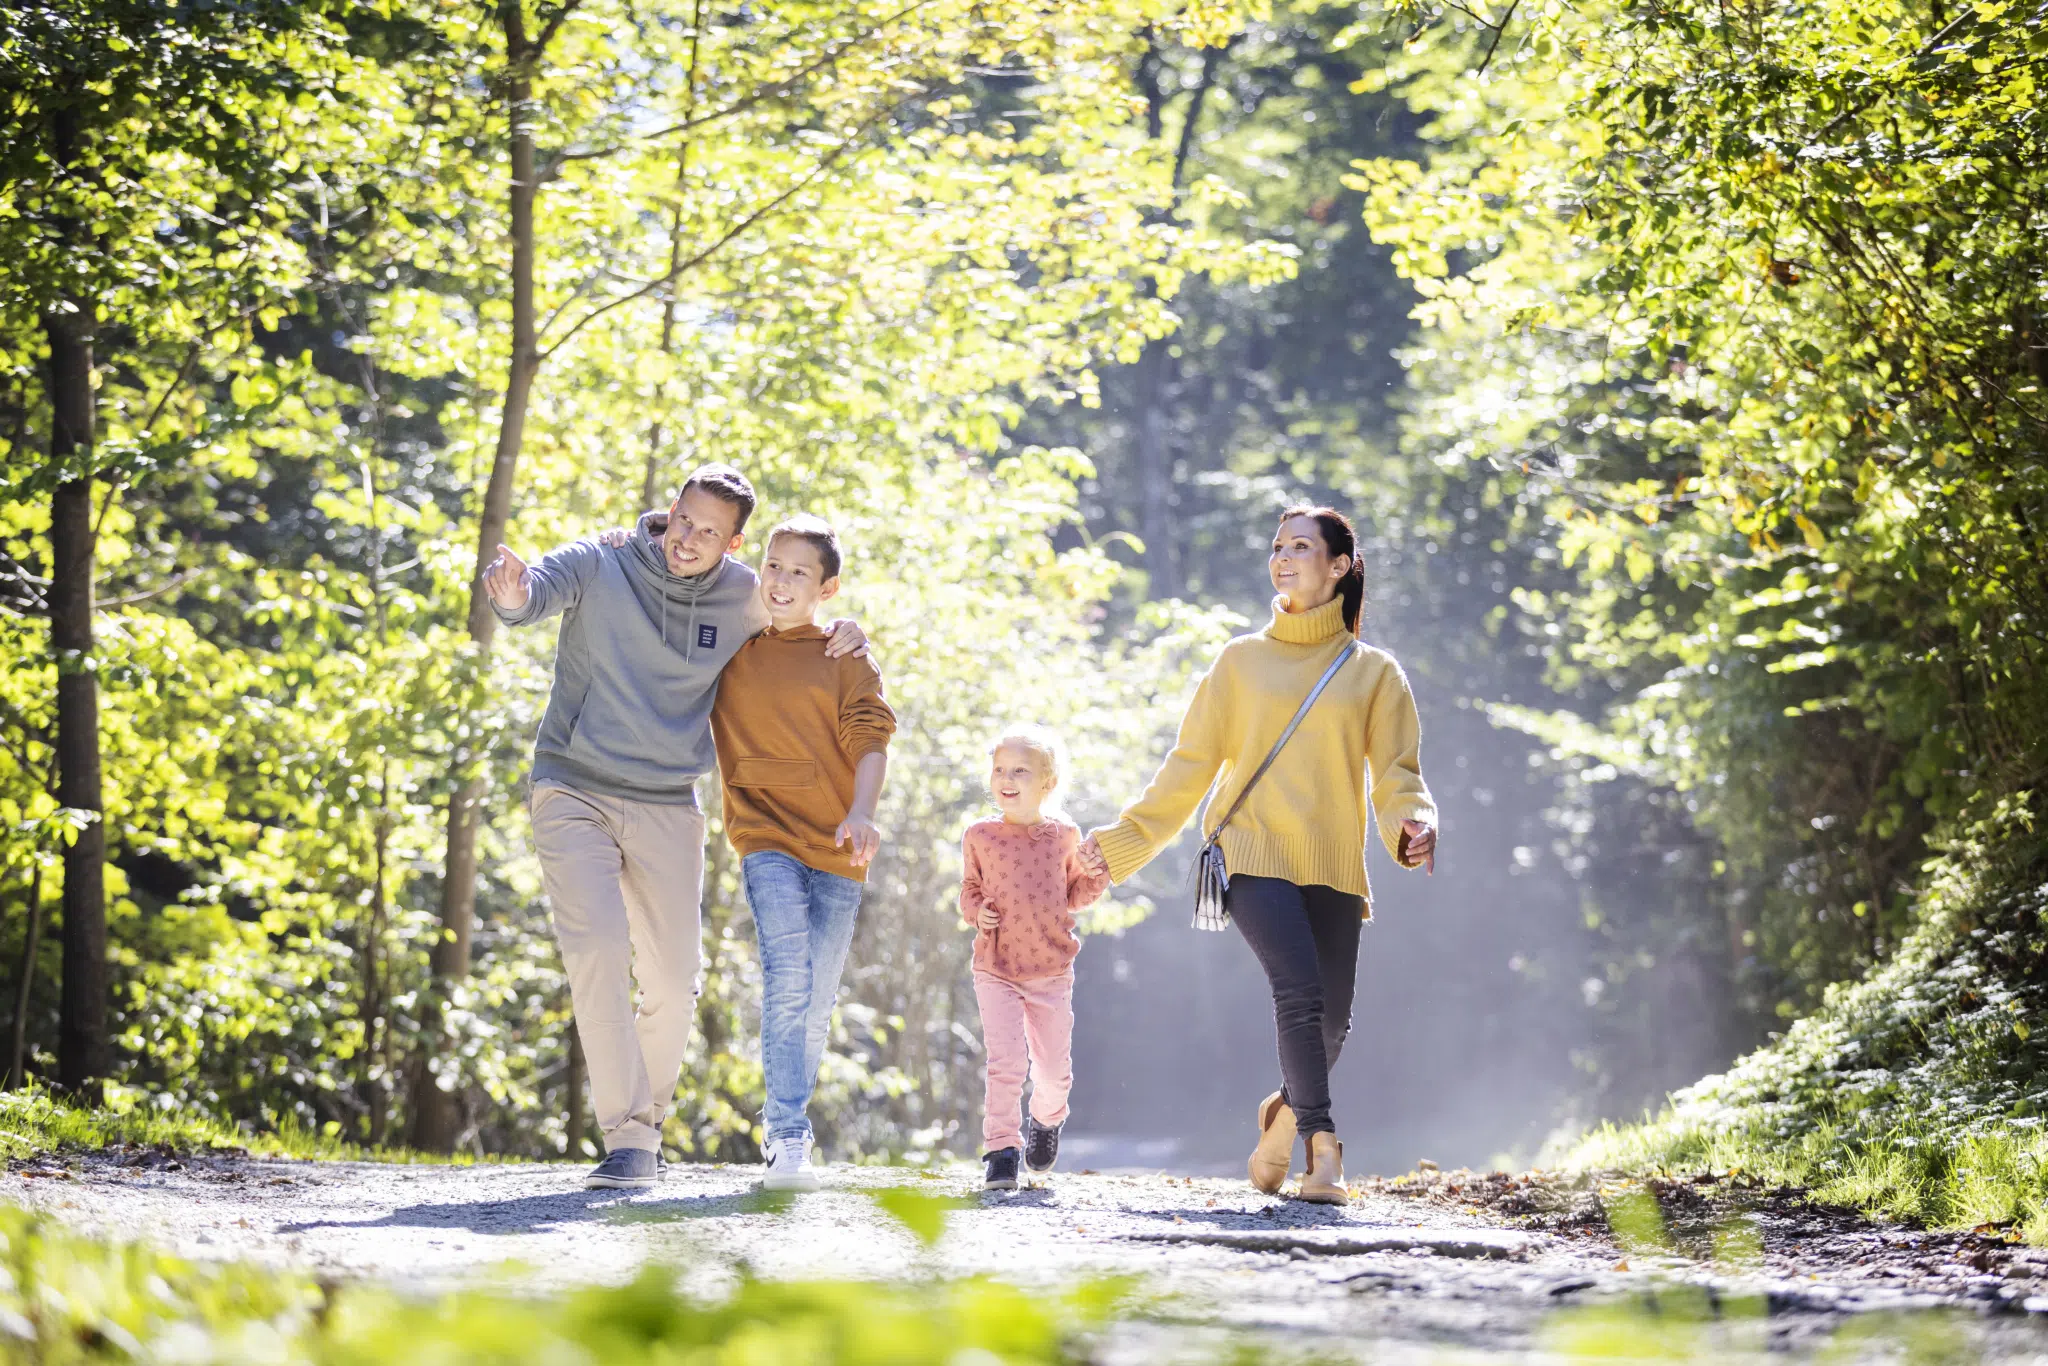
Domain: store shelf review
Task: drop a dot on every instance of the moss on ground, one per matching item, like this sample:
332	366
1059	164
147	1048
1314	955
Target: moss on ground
33	1121
1919	1093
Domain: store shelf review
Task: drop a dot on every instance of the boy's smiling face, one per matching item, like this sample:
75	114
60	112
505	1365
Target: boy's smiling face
793	582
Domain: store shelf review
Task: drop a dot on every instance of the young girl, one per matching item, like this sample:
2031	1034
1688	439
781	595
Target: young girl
1021	883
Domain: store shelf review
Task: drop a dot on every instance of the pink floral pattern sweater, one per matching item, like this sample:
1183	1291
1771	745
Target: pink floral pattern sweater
1034	877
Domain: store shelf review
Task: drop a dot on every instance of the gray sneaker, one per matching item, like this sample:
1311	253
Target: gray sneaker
625	1169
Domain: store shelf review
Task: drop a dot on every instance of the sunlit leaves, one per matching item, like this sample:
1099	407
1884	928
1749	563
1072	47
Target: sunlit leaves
1745	308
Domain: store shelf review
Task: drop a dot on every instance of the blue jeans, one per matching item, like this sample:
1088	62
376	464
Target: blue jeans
805	921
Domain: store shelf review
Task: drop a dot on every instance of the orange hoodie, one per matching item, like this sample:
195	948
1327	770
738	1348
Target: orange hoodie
790	726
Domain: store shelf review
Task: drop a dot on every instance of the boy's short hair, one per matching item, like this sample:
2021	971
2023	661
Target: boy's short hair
819	533
725	483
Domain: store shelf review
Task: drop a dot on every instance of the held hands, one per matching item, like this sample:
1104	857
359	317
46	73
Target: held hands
1092	857
1418	846
505	580
859	831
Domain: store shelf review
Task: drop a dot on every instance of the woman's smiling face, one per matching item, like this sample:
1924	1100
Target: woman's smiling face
1301	567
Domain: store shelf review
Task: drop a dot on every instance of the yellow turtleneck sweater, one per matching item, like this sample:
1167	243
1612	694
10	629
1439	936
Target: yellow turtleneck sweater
1305	821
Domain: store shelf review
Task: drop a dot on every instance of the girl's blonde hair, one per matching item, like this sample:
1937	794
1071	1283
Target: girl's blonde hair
1044	742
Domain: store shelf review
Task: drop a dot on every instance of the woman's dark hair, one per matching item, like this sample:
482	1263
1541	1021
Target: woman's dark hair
1338	539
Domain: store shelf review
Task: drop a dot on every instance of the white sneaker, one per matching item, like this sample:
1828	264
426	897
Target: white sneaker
789	1166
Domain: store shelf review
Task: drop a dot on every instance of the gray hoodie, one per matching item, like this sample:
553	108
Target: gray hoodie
636	668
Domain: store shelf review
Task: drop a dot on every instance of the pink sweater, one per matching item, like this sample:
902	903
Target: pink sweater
1033	876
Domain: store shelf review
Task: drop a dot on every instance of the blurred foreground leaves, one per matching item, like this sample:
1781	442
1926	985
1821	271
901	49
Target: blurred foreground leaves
68	1299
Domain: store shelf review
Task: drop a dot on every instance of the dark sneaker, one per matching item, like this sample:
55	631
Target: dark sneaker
625	1169
999	1170
1041	1144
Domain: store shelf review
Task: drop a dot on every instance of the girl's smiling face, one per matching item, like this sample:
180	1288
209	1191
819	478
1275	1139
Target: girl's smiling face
1020	783
1301	566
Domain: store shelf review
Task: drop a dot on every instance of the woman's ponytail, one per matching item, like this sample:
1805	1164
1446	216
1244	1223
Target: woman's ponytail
1338	539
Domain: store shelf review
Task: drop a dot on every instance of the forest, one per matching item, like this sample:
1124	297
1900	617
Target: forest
1683	365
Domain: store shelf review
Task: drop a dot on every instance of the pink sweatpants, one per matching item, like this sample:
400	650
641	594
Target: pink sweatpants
1027	1027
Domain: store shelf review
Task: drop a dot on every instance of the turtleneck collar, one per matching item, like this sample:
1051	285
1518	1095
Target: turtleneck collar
1306	628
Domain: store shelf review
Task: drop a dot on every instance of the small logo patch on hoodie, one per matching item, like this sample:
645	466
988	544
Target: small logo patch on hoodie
707	637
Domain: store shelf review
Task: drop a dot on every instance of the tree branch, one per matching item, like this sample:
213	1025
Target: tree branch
1212	60
766	92
1499	30
825	164
176	581
551	28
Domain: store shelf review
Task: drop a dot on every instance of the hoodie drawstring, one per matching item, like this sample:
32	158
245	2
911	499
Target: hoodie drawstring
693	588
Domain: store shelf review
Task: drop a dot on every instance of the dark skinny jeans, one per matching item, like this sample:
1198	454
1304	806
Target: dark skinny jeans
1307	941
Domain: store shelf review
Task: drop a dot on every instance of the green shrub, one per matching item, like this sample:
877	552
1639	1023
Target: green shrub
1917	1093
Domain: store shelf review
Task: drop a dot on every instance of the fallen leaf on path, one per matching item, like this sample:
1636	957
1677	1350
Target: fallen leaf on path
1621	1265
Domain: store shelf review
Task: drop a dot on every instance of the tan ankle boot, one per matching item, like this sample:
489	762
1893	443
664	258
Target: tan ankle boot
1275	1153
1323	1182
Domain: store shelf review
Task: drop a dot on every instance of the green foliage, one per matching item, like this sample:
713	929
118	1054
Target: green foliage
67	1299
841	245
924	1215
1744	317
1917	1093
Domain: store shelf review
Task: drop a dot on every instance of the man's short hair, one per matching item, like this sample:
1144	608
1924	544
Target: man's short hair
725	483
819	533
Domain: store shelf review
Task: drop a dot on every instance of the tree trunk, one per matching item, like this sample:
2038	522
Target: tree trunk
651	483
83	1051
17	1050
1156	368
575	1107
436	1114
1155	472
374	1079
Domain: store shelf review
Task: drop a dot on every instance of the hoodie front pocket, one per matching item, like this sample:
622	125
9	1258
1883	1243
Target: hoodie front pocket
774	773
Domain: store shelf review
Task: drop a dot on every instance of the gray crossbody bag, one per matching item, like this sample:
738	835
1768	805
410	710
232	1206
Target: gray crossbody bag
1212	878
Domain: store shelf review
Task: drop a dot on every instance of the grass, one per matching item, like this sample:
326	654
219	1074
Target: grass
1917	1094
34	1121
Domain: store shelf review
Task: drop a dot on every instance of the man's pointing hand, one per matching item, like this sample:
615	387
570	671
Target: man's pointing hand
505	580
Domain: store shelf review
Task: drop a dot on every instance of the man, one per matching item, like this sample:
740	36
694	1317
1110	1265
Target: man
647	627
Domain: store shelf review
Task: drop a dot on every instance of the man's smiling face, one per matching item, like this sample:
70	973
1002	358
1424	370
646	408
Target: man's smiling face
702	529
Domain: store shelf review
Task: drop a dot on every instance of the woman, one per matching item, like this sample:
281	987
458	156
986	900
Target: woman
1296	848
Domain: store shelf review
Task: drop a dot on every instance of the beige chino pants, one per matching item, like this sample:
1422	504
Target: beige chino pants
625	884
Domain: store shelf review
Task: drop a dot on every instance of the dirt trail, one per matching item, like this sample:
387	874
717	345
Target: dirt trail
1453	1267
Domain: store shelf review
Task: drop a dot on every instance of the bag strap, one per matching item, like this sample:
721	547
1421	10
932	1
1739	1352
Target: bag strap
1301	711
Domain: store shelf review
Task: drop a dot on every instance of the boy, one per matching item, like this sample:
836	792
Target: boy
802	743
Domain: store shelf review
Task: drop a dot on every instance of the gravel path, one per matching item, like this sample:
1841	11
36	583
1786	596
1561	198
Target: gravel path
1430	1269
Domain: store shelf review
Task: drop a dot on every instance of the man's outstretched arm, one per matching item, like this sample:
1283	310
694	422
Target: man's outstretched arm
522	593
